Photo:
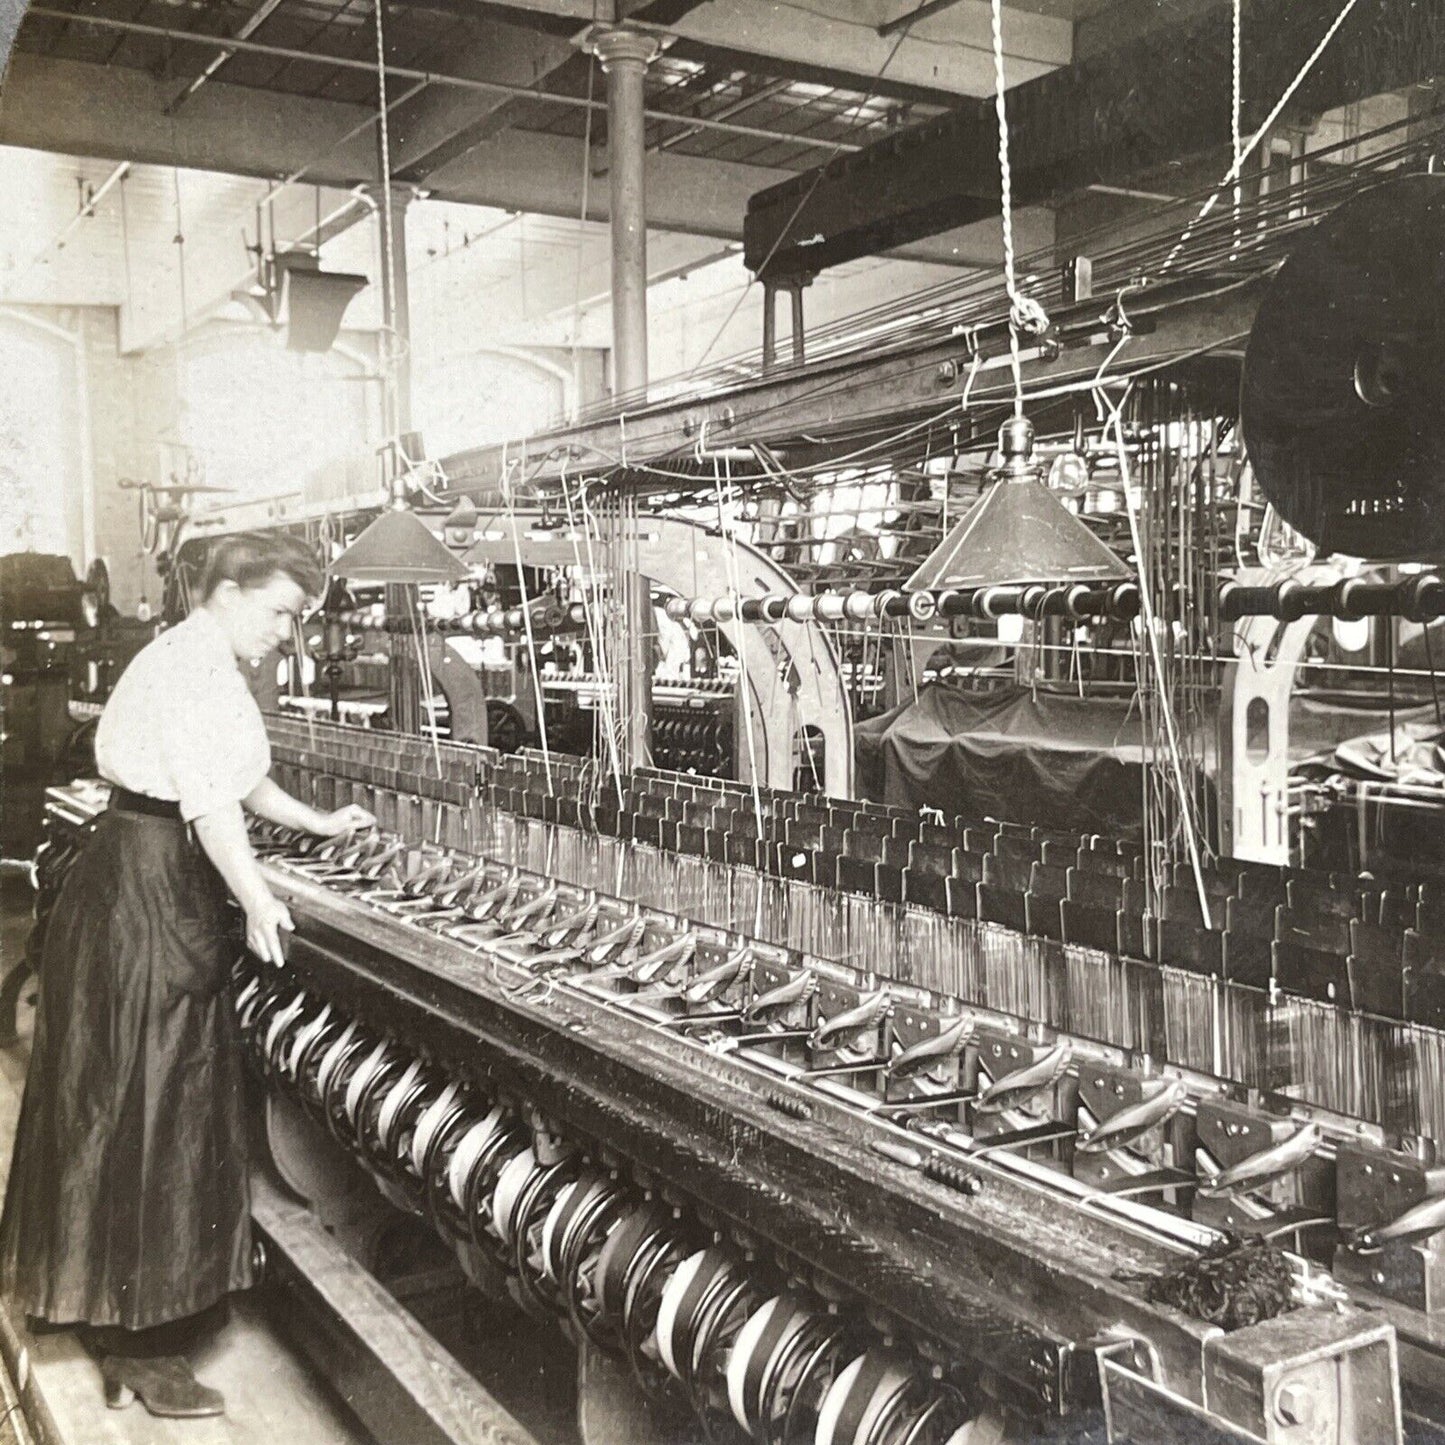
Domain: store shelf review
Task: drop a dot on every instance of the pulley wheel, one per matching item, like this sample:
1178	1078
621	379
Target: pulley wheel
97	584
506	728
1343	403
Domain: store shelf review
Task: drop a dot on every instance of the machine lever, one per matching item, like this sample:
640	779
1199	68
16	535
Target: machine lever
1269	1164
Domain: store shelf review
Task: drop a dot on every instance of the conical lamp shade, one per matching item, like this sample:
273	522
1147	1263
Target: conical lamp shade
1018	533
397	547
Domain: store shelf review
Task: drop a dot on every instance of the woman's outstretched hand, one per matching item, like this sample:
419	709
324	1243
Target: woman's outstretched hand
267	918
353	818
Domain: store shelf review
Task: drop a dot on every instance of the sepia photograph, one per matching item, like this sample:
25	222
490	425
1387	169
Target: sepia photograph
721	722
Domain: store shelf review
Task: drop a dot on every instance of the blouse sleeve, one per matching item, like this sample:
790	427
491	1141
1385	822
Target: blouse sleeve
215	747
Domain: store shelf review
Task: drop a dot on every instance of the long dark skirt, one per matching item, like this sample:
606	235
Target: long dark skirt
127	1202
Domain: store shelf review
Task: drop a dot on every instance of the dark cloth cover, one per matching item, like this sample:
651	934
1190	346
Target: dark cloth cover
128	1202
1030	757
1057	759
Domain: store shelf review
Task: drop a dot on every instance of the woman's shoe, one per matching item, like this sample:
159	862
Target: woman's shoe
166	1386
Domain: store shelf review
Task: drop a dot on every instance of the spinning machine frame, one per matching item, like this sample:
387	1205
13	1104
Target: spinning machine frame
713	1067
827	1134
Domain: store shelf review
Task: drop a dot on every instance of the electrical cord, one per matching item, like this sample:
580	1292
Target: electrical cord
1025	314
1237	167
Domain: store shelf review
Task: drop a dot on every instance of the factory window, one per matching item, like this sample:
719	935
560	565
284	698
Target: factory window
261	419
469	398
40	426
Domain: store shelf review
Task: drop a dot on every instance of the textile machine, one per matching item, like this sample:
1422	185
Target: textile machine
896	1123
835	1129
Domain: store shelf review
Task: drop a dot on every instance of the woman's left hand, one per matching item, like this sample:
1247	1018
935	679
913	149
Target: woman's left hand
351	819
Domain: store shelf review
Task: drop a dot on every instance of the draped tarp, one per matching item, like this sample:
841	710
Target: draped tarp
1062	761
1056	759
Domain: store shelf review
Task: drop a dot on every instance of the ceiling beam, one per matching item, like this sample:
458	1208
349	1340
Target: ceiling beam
946	54
528	54
446	122
950	52
257	18
533	94
907	19
1103	120
115	113
529	171
813	70
559	16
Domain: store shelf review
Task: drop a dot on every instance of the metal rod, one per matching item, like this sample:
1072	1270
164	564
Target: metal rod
770	325
88	209
253	23
838	1071
430	77
924	1102
1420	599
902	22
742	103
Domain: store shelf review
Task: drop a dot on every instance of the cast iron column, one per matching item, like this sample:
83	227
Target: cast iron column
625	55
770	326
395	307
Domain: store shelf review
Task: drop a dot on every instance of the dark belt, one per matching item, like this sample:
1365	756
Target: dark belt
125	801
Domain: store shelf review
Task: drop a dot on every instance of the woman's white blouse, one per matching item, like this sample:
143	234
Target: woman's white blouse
181	724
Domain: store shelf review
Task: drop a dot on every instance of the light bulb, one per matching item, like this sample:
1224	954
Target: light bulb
1068	472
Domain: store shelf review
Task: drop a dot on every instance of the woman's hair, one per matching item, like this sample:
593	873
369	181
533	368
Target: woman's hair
251	559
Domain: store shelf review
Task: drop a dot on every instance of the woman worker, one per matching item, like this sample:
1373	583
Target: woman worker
127	1206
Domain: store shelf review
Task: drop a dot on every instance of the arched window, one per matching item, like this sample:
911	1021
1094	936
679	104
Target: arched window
41	425
261	418
486	395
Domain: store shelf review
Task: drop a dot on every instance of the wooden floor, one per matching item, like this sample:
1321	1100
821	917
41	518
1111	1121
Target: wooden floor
272	1397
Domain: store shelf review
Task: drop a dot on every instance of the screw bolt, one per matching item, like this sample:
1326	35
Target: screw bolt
1294	1405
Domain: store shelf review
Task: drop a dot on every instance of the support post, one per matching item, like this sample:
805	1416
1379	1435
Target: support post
395	337
402	601
1254	725
625	55
770	326
795	292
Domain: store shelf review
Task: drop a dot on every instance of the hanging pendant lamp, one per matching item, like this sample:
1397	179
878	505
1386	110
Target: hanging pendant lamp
399	547
1018	532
